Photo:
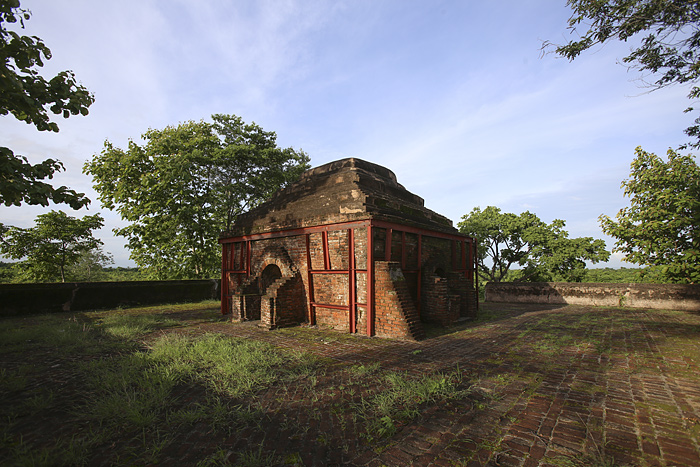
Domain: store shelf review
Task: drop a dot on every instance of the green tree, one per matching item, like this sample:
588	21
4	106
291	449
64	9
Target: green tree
543	251
28	96
7	272
669	39
185	185
89	265
661	227
56	242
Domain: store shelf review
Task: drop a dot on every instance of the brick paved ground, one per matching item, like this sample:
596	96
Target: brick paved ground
549	386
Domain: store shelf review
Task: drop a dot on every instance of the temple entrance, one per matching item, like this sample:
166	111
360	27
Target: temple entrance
268	277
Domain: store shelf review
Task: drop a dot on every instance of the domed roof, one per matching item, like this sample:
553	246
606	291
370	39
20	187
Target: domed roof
341	191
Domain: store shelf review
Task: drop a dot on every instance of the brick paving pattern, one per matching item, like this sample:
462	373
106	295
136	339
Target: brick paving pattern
558	383
549	385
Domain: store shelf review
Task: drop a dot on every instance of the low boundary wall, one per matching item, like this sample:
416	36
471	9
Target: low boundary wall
661	296
17	299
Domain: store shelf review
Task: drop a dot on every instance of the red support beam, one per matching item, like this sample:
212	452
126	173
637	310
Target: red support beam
419	281
247	258
332	271
326	255
294	232
403	249
351	280
418	230
370	282
224	280
312	314
463	248
387	247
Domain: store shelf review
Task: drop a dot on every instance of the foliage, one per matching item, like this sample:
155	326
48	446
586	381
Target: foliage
669	49
12	273
7	272
619	276
28	96
52	245
661	227
89	267
543	251
120	274
185	185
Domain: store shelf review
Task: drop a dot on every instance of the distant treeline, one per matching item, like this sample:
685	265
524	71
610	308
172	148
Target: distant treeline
11	273
619	276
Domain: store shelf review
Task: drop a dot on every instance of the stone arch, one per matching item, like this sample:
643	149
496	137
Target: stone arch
279	257
281	288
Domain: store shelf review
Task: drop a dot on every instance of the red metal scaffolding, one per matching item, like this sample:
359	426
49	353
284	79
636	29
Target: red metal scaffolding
463	261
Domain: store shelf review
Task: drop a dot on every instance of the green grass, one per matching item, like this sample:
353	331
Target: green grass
129	386
131	326
143	381
401	397
135	391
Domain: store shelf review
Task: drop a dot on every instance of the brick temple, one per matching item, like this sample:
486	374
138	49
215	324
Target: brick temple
348	247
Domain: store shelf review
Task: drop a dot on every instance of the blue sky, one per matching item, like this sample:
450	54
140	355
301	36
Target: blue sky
453	96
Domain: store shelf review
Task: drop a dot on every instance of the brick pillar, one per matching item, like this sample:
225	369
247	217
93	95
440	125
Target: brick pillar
395	313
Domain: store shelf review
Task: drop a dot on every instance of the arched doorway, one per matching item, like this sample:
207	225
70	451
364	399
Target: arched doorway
268	277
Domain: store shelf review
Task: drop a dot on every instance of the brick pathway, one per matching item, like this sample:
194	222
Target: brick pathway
550	386
557	383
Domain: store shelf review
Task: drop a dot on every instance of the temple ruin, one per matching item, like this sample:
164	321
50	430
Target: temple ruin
348	247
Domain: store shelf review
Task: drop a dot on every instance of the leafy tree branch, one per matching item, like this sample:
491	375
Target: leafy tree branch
28	96
668	34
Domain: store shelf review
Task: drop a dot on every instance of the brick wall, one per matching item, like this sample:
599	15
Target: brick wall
395	313
443	299
438	305
16	299
662	296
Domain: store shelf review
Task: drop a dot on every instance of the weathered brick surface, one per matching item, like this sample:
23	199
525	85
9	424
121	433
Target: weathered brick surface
550	384
344	191
396	314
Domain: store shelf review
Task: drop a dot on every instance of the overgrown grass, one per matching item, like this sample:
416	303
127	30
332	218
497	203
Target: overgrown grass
402	396
65	334
131	326
136	391
129	389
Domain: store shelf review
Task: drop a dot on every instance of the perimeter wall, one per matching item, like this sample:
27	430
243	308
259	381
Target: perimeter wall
18	299
662	296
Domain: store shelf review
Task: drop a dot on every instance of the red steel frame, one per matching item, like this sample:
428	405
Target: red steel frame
466	264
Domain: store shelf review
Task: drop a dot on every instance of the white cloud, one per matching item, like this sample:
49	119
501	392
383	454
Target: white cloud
452	96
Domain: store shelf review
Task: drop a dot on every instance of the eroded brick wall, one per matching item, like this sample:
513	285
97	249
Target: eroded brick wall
395	312
661	296
438	305
329	289
445	294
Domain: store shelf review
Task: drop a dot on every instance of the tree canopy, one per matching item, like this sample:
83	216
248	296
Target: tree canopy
661	227
668	51
543	251
89	266
186	185
56	242
29	97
